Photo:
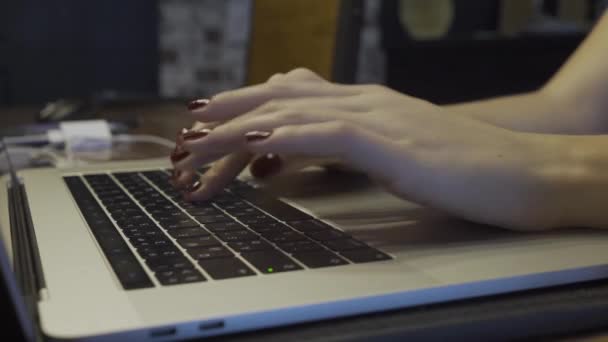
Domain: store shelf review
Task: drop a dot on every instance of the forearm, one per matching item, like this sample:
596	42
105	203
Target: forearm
522	181
540	111
574	101
576	176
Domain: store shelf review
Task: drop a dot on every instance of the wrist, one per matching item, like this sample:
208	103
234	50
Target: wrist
575	174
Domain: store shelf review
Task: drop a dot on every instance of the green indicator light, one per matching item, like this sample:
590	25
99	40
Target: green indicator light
270	269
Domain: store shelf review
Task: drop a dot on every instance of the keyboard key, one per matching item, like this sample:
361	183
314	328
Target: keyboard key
238	212
203	211
224	268
237	235
199	241
271	261
325	235
344	244
256	219
182	276
237	204
282	237
250	246
143	224
267	227
176	216
300	246
210	252
164	264
220	227
204	219
187	232
110	241
179	224
316	259
130	273
307	226
273	206
167	214
159	252
365	255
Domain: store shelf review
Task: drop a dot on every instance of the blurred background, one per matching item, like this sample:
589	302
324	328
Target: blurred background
144	50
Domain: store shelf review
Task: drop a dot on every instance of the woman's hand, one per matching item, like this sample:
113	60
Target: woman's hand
412	147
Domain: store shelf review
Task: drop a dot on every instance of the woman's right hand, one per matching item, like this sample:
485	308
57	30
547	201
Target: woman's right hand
414	148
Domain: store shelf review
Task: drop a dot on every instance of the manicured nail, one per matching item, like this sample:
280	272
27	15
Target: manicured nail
256	135
266	166
195	186
197	104
179	137
179	155
193	135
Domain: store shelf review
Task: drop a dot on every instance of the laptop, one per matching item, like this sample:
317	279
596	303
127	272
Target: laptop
111	251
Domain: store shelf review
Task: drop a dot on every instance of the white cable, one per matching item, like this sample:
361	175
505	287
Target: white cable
27	139
23	156
145	138
56	138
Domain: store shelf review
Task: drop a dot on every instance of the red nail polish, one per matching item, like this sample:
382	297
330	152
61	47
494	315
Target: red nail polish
256	135
197	104
179	155
195	186
194	135
266	166
179	137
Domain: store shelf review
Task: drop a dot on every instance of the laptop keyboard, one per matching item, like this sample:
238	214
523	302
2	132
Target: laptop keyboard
239	232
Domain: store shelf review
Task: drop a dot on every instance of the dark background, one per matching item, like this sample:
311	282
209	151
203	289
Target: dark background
71	48
462	66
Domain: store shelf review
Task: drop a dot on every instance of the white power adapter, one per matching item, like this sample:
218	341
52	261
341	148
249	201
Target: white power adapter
85	138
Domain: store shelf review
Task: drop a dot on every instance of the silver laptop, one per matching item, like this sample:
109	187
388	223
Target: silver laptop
112	251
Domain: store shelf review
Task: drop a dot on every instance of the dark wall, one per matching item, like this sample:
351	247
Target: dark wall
462	67
73	48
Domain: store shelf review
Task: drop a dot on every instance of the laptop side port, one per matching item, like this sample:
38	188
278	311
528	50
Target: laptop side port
211	325
163	332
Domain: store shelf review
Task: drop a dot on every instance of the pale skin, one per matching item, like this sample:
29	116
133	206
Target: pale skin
532	161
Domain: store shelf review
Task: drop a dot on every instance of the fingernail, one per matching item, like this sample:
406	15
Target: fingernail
193	135
195	186
257	135
179	155
197	104
180	135
266	166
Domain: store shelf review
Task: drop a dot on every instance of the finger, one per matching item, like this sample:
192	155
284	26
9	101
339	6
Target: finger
303	74
354	145
269	165
298	74
182	179
228	137
276	77
219	175
197	125
230	104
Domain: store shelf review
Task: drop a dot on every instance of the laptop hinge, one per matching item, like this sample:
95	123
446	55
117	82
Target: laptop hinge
26	258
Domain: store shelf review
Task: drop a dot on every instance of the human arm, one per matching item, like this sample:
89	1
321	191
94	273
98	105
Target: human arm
573	101
415	149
